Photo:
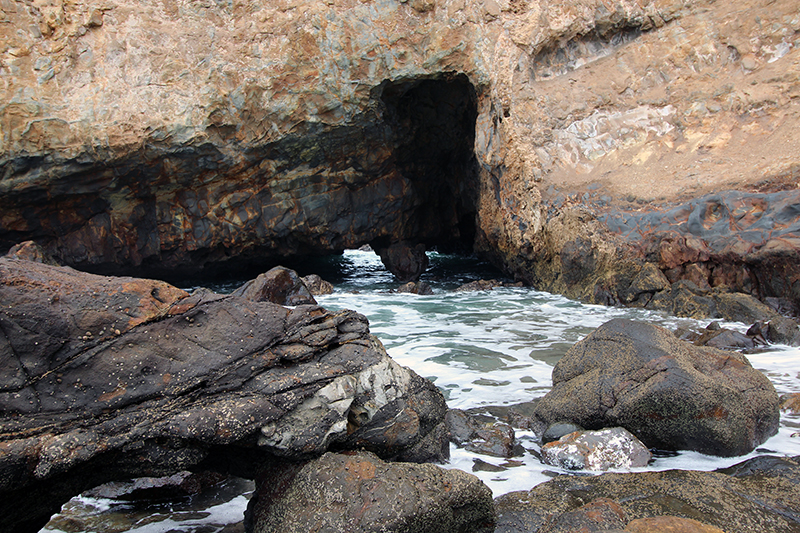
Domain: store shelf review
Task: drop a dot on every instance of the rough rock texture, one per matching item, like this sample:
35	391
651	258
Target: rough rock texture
316	285
360	493
597	450
670	394
111	378
760	494
488	438
279	285
570	142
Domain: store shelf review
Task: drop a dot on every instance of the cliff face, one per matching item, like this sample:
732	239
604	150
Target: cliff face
155	136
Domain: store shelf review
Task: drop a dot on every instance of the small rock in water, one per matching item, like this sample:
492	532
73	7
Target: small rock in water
496	439
479	285
791	402
419	287
596	450
316	285
558	430
479	465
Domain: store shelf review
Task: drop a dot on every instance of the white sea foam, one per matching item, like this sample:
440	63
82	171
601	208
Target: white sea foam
498	348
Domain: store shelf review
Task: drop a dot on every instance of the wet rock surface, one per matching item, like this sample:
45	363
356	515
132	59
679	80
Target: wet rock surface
760	494
495	439
668	393
112	378
357	492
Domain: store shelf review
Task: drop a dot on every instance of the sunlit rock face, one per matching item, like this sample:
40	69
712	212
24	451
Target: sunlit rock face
156	137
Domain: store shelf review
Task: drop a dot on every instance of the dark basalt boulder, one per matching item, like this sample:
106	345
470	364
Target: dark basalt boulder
758	495
359	493
670	394
279	285
406	261
108	378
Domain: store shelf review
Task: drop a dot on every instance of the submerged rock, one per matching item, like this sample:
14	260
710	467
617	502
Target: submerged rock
359	493
113	378
668	393
761	494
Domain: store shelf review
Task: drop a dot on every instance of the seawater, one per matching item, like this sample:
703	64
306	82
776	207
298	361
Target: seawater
481	348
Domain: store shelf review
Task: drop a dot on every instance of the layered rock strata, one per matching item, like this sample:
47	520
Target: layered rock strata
111	378
557	140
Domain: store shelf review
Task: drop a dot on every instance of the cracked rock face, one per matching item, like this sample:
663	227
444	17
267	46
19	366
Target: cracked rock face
111	378
668	393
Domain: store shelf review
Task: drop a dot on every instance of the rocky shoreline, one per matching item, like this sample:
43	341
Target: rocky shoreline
642	154
121	378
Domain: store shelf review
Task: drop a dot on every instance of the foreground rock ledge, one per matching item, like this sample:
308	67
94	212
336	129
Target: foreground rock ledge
758	495
112	378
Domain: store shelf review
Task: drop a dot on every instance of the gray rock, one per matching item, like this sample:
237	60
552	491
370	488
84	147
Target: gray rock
668	393
557	430
596	450
782	330
359	493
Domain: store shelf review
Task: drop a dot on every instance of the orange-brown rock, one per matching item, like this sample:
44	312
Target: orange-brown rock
569	143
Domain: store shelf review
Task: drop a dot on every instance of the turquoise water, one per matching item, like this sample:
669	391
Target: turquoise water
482	349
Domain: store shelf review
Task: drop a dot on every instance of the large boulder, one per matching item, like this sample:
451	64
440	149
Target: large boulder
359	493
670	394
111	378
761	494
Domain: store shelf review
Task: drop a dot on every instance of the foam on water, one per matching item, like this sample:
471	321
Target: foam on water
499	347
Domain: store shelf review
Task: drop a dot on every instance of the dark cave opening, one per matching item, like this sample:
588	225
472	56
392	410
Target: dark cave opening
402	171
432	123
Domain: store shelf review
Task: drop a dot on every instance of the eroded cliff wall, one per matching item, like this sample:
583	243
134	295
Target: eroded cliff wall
155	136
